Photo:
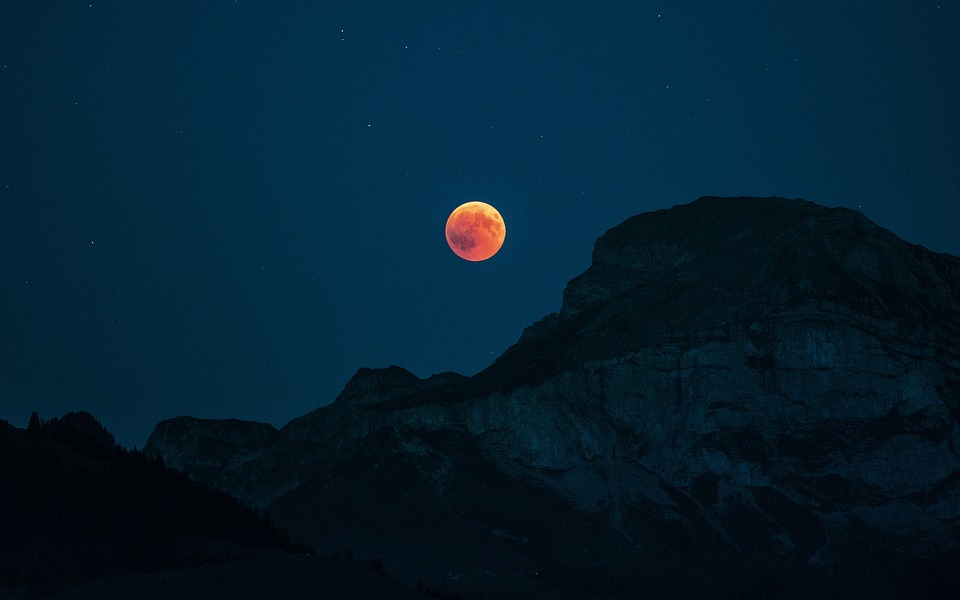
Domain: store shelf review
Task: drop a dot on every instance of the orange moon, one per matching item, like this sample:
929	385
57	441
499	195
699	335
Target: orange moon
475	231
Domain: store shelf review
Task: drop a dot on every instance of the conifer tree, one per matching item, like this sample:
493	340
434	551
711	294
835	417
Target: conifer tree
34	426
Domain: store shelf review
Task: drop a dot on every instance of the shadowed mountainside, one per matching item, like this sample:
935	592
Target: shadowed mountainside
751	397
83	518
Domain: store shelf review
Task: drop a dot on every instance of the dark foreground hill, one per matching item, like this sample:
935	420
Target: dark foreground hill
83	518
740	398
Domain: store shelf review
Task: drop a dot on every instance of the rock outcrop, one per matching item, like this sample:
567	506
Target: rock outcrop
766	375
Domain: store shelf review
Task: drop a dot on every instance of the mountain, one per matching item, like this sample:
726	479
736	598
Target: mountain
741	397
81	517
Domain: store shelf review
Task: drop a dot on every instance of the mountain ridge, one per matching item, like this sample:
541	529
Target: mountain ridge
760	375
77	507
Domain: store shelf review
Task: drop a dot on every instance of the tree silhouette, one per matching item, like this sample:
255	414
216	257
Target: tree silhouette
34	426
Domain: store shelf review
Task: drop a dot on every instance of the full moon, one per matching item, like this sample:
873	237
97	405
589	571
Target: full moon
475	231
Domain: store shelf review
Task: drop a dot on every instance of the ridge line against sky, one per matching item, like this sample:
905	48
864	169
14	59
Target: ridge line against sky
224	209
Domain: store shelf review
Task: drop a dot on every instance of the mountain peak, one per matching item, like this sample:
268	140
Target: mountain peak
370	385
696	267
760	377
730	248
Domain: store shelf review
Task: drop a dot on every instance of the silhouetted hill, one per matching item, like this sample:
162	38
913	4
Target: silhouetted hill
740	398
74	507
79	430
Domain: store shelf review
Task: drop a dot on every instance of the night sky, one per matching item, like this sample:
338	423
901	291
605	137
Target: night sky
225	208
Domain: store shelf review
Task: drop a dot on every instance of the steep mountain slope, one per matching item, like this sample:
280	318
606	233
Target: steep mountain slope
83	518
768	387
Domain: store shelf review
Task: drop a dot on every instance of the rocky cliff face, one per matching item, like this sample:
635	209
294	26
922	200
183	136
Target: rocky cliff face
771	375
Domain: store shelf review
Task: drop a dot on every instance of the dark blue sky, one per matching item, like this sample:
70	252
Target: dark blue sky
223	209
